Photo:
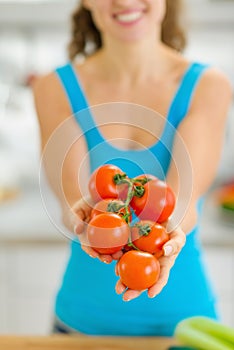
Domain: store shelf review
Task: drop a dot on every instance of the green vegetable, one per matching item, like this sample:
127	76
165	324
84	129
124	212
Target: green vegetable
228	206
205	334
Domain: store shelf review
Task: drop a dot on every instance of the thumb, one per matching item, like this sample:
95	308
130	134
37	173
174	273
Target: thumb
176	243
168	249
73	220
79	226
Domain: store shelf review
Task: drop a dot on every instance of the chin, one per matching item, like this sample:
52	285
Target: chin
133	38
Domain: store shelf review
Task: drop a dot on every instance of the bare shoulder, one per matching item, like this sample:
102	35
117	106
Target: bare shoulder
215	79
51	104
49	97
214	91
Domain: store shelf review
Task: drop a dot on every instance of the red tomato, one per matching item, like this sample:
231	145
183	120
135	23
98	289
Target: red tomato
101	183
149	237
156	204
107	233
138	270
123	188
110	205
146	176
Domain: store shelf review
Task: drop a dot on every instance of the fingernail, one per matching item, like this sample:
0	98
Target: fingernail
127	299
152	296
74	228
167	250
104	260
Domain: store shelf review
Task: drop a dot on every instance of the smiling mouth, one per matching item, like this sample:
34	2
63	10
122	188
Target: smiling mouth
129	17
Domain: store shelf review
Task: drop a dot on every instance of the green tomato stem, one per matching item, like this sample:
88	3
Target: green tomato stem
144	229
130	244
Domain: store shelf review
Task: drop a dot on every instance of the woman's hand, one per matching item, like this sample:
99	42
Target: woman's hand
171	250
77	220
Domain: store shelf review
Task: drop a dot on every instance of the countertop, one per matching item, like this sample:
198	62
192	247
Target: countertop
83	343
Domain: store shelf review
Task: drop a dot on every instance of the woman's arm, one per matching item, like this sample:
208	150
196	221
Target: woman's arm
202	132
57	130
63	151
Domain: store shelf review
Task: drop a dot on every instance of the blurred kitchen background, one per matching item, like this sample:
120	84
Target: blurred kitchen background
33	39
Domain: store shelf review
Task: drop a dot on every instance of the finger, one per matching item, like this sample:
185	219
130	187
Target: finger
85	204
79	227
175	244
166	225
117	255
160	284
131	294
117	269
91	252
107	259
72	221
120	287
169	225
82	237
80	213
178	233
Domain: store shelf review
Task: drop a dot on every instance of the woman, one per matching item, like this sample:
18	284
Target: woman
133	57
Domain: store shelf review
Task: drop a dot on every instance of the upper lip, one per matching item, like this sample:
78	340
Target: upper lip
123	12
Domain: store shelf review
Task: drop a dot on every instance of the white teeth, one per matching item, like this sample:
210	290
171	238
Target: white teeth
129	17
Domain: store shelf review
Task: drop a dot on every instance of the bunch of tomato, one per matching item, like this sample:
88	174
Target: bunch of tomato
110	228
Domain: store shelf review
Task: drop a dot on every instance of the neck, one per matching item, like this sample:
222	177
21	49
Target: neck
133	61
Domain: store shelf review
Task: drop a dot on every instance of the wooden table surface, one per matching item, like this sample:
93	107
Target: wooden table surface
60	342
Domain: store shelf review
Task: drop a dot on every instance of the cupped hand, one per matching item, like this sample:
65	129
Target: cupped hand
171	250
79	216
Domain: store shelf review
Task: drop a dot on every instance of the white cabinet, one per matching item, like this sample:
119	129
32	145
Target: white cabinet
220	266
217	235
3	291
29	277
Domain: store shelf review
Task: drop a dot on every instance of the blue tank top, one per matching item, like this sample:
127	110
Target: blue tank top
86	300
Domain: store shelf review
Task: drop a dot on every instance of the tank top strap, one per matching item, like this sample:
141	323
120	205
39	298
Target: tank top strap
182	100
78	104
72	88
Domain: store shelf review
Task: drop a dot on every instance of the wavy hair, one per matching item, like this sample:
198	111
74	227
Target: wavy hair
85	33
